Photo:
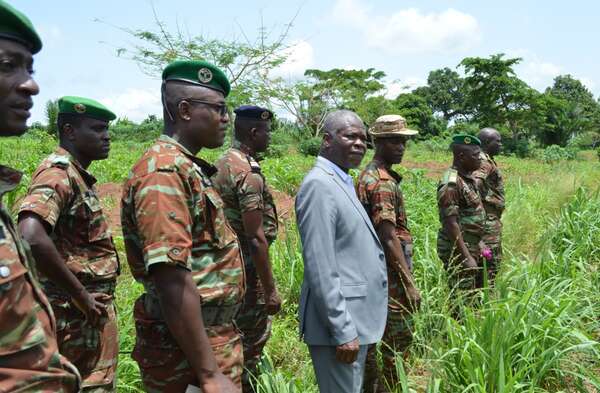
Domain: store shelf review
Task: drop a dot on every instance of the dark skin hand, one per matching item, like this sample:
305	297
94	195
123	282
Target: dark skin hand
259	251
392	247
348	352
34	231
181	308
453	230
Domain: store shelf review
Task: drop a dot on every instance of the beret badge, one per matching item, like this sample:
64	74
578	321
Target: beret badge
205	75
265	115
467	140
79	108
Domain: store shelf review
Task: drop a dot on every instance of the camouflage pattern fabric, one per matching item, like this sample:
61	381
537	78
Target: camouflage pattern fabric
492	195
163	364
62	194
457	196
243	188
378	189
29	358
172	214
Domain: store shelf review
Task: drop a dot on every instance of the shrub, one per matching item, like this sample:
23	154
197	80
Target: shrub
311	146
554	153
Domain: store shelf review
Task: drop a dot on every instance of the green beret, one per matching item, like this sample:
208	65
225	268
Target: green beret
14	25
253	112
465	139
197	72
84	107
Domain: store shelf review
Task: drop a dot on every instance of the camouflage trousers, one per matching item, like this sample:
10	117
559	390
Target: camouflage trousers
493	239
254	325
163	365
93	350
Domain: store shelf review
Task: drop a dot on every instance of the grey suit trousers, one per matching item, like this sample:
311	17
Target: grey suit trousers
333	376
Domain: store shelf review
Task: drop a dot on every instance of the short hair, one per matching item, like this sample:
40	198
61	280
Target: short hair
337	120
174	91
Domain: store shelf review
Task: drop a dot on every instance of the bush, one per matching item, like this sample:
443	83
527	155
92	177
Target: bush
311	146
556	153
585	140
436	144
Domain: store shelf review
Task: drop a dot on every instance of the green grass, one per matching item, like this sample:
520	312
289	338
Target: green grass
537	331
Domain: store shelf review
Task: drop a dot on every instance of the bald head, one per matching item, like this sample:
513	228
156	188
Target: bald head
340	119
491	141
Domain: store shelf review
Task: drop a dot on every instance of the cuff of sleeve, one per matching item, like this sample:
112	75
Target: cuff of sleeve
345	335
172	254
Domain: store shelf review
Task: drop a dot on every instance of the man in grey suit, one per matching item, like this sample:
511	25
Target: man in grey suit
343	304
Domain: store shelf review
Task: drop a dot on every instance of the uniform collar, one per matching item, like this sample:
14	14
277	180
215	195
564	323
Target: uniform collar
386	173
9	179
87	176
207	168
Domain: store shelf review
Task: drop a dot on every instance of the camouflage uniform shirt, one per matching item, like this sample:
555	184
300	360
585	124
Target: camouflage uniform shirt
172	214
29	357
242	186
62	194
492	190
457	196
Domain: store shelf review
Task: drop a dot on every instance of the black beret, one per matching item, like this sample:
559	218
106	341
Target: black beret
253	112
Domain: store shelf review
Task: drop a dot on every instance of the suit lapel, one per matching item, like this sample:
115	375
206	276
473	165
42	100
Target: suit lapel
355	202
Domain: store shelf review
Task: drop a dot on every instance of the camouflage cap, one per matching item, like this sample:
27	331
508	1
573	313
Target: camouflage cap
197	72
387	126
253	112
15	26
84	107
465	139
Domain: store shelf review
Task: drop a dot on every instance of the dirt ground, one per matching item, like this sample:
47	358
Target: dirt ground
110	197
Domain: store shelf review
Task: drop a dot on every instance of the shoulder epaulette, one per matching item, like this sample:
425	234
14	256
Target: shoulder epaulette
59	161
254	166
450	176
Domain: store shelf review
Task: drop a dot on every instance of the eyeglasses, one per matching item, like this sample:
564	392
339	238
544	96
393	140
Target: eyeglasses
222	109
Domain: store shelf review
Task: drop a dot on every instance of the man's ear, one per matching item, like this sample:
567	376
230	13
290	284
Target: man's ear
184	110
326	140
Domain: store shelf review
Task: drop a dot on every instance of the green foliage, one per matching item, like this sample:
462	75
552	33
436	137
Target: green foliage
556	153
445	93
585	140
417	113
51	112
311	146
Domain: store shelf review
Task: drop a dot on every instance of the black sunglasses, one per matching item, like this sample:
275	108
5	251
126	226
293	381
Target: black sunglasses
222	109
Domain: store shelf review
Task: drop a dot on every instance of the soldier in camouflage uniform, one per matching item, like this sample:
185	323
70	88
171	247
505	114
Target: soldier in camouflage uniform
180	246
250	209
459	243
491	189
379	191
63	221
29	358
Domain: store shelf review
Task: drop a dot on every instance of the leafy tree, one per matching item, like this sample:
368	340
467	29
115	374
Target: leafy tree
445	93
497	97
311	99
418	114
246	62
51	112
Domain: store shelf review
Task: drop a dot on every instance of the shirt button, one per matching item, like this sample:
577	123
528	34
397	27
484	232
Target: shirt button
384	284
382	257
4	271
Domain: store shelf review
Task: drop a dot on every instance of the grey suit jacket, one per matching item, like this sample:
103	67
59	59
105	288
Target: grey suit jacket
344	292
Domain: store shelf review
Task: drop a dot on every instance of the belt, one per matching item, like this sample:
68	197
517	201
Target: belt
211	315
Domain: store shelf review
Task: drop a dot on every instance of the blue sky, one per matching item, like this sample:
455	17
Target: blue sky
406	39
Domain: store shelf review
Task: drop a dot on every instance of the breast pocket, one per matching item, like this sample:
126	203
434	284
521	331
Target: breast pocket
356	290
216	221
97	226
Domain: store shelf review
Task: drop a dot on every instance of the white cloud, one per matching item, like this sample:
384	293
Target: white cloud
300	56
135	104
405	85
410	30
